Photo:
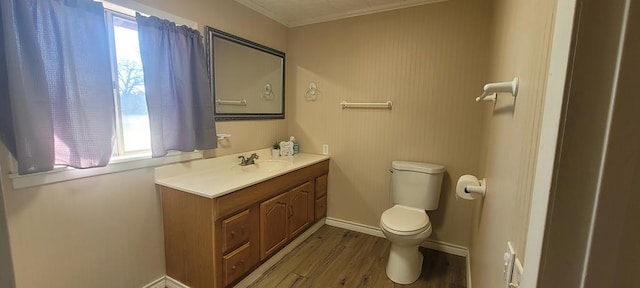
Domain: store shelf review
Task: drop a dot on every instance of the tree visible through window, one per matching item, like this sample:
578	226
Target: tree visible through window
132	119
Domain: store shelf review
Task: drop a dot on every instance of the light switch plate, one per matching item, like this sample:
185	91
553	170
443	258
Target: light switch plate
509	259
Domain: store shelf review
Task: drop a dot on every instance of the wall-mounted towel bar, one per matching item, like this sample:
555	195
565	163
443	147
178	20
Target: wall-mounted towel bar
242	102
491	90
385	105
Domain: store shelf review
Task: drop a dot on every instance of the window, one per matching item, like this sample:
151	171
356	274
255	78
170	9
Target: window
132	124
132	118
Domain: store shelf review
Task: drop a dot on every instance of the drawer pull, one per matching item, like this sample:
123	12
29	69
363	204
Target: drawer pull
290	211
239	263
241	232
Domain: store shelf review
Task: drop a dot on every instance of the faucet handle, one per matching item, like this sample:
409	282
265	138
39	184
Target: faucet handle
254	156
242	159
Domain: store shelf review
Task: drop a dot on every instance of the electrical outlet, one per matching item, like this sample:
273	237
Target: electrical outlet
518	271
325	149
509	260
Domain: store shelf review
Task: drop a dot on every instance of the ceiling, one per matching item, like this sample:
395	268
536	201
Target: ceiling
292	13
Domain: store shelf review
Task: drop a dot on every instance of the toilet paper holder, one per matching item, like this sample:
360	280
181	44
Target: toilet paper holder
481	188
469	187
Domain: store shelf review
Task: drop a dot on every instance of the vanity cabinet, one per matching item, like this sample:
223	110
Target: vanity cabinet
214	242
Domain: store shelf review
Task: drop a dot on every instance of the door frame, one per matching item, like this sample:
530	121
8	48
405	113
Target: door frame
554	94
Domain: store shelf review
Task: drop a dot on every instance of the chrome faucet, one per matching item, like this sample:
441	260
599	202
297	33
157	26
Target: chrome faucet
248	161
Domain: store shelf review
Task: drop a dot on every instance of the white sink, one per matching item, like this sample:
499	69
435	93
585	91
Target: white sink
266	166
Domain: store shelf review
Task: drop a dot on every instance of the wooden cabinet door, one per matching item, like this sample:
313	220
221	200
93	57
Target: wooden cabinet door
321	186
273	224
321	197
321	208
300	208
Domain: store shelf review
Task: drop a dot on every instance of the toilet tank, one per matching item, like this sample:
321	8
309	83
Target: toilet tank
416	184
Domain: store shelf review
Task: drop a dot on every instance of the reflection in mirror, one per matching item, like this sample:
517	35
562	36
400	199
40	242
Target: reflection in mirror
247	79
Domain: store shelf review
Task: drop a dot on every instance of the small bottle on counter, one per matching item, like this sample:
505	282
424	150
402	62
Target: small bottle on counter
296	147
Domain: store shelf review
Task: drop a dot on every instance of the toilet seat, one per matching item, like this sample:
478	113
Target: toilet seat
405	220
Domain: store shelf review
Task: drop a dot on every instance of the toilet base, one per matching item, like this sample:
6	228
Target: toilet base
405	264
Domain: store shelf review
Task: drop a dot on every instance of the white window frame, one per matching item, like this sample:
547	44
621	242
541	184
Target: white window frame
131	7
118	163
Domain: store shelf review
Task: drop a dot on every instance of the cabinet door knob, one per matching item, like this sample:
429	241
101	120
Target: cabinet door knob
290	211
241	262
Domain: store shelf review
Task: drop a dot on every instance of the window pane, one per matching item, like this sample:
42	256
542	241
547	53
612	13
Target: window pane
134	117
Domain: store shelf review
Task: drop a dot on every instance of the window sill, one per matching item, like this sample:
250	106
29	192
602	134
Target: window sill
118	164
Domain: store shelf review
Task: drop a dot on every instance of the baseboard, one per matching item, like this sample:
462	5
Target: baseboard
165	282
445	247
173	283
376	231
249	279
353	226
158	283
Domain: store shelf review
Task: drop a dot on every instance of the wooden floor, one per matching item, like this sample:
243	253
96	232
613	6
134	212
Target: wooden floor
334	257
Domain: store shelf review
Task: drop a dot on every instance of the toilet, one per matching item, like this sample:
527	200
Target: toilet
415	188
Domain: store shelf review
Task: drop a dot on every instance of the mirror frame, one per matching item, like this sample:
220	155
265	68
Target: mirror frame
213	33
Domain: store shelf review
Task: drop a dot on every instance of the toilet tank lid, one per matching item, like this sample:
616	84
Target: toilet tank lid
418	167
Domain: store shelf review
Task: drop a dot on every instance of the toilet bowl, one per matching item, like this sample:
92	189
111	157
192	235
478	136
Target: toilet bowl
406	227
415	189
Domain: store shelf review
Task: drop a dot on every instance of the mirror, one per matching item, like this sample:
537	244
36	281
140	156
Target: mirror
247	79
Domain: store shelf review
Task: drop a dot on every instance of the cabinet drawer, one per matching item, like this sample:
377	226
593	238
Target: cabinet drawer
235	231
236	263
321	186
321	207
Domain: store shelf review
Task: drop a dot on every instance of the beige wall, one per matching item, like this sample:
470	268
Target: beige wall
106	231
431	61
520	45
95	232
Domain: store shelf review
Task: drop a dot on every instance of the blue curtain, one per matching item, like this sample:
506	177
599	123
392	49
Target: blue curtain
177	87
58	107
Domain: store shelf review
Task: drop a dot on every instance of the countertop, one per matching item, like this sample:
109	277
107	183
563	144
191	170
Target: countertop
219	176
